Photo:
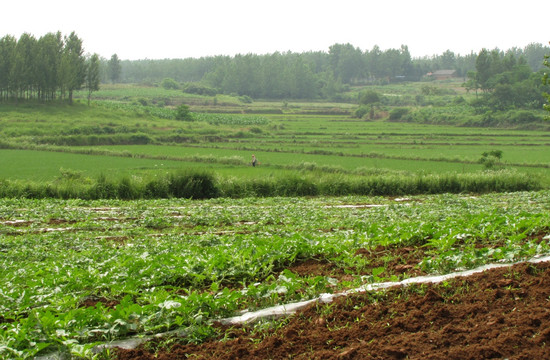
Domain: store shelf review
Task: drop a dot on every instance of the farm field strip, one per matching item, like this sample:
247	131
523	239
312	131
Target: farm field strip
278	311
516	154
287	309
148	266
46	165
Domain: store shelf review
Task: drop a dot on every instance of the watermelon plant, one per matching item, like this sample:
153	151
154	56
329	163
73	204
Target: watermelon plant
77	273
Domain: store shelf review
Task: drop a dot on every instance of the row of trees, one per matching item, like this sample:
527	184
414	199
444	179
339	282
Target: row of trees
51	67
314	74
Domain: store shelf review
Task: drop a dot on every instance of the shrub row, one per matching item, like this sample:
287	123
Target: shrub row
383	185
200	185
192	185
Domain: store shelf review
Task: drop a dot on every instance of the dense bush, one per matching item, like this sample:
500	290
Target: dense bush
523	116
183	113
398	113
199	89
192	185
361	112
169	84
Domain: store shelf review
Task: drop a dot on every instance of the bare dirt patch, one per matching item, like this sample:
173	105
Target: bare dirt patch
92	301
16	223
395	260
399	261
60	221
316	267
499	313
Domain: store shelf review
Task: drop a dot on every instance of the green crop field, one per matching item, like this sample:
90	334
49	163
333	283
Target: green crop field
225	142
48	166
77	273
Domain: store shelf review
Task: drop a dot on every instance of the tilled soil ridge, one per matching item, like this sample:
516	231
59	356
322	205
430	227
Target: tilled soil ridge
499	313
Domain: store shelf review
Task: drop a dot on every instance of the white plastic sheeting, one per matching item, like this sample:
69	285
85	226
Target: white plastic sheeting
288	309
283	310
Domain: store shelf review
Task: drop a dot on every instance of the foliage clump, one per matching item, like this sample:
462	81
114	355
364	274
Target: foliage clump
398	113
184	113
491	159
369	97
199	89
169	84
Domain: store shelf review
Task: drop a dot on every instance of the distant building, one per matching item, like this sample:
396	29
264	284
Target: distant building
442	74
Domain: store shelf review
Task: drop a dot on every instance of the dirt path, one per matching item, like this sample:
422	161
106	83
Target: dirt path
500	313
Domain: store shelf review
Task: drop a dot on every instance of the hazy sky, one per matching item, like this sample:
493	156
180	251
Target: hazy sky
178	29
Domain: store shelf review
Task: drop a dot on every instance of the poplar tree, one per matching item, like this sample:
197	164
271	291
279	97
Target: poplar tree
73	64
7	59
23	70
114	68
92	76
50	48
546	81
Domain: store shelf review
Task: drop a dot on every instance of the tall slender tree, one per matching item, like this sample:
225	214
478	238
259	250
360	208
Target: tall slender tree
115	68
74	64
7	59
24	66
546	81
50	49
92	75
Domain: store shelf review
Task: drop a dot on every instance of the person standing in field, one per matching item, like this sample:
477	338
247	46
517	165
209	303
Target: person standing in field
254	161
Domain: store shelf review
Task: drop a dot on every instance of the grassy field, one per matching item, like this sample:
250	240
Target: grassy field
48	166
132	130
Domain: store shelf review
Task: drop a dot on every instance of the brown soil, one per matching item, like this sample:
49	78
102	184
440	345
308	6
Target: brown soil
395	260
60	221
316	267
500	313
93	301
400	260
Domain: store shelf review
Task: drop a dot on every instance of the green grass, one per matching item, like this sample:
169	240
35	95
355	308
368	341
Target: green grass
47	166
116	125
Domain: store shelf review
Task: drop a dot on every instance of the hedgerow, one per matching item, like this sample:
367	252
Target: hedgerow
205	185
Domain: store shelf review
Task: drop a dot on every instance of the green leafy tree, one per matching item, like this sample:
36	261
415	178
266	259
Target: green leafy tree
7	59
115	68
369	97
447	60
533	53
92	76
375	63
483	69
50	49
272	82
73	65
546	81
41	69
303	84
347	62
24	66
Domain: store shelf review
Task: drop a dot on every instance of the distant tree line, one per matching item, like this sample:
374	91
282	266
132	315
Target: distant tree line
53	66
506	81
47	68
316	74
